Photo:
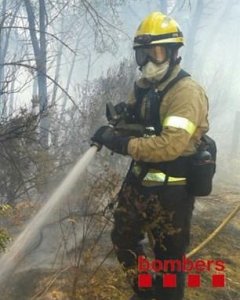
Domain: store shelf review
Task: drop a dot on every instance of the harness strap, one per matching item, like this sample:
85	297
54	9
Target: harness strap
158	173
155	99
139	93
161	95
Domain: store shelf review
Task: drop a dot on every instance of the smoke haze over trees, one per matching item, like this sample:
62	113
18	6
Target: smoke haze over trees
62	61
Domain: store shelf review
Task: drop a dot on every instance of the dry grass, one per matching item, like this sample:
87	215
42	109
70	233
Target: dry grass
109	282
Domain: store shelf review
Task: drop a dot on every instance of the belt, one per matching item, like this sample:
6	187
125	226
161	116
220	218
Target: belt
155	177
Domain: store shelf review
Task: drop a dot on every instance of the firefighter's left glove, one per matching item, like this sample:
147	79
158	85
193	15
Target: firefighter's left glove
110	138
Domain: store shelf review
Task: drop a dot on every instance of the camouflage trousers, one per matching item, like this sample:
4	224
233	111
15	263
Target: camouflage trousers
163	211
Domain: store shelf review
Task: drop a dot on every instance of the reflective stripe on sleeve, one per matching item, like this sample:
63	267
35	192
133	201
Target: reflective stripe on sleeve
180	122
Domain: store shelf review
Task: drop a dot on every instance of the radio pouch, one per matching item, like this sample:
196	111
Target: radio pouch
202	168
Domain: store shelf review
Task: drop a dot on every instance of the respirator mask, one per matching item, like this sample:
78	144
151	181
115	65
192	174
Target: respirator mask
153	61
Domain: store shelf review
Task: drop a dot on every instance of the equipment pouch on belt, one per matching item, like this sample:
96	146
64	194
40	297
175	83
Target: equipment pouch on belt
202	168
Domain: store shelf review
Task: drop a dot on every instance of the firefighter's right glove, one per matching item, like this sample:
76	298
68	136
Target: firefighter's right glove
110	138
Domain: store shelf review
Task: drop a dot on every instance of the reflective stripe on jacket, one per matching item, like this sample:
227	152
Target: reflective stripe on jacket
155	177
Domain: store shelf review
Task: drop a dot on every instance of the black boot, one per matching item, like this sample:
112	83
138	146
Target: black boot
134	297
142	297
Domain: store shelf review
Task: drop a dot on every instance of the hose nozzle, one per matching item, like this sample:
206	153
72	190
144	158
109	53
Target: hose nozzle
95	144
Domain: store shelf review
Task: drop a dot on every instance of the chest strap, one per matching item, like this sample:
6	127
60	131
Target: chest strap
153	103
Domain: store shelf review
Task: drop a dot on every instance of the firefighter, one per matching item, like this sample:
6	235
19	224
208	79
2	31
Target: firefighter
155	197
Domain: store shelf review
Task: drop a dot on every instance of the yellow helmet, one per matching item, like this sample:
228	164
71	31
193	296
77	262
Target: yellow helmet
158	28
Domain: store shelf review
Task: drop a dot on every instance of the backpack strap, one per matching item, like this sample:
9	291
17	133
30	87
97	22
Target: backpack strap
139	94
155	106
155	100
178	167
179	76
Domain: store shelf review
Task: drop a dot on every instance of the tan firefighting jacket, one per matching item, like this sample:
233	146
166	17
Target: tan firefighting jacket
183	114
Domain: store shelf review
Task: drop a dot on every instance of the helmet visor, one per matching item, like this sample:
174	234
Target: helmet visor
156	54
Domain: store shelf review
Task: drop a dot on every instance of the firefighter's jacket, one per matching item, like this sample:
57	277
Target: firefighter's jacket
183	114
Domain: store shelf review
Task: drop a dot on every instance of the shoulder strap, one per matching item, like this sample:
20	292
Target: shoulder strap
161	94
139	95
156	101
179	76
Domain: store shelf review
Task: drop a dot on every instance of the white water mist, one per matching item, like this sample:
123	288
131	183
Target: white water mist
18	249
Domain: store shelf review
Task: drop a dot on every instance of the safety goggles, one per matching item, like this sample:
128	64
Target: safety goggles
156	54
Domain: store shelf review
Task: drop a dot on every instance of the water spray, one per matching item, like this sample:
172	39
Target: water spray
20	246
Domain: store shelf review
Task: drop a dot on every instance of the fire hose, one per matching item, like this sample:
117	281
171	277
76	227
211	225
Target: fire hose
226	220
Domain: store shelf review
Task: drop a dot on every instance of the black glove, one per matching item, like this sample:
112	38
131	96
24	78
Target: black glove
110	138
